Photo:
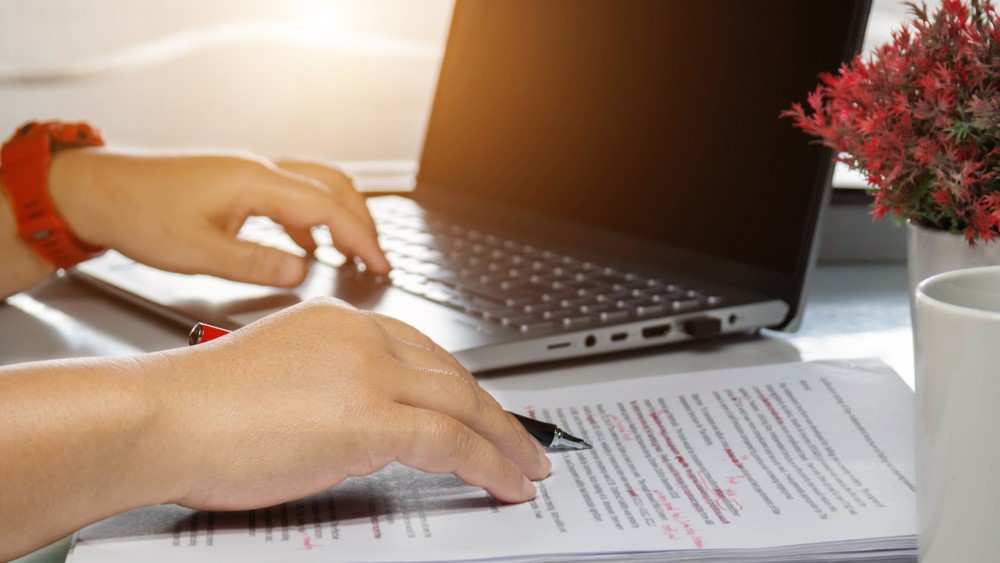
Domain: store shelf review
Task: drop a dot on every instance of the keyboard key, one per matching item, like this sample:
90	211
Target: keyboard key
427	269
517	320
329	256
574	303
650	310
556	297
440	295
610	297
539	308
535	326
685	304
403	278
519	302
577	321
593	309
613	316
556	315
447	277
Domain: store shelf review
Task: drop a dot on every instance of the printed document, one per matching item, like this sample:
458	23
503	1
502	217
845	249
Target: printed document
789	462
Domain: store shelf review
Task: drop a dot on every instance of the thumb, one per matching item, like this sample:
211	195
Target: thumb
244	261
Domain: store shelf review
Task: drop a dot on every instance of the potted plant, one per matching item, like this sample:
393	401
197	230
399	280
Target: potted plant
920	119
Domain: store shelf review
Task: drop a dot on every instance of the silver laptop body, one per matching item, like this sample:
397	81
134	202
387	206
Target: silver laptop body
596	176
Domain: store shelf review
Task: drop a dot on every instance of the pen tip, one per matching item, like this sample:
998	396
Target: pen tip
566	441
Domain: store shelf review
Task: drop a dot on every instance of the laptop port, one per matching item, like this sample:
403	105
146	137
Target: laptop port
558	345
590	340
619	336
656	331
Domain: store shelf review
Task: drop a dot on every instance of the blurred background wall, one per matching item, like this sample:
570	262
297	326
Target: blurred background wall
343	79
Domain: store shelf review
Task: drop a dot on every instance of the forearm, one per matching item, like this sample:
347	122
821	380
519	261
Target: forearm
20	267
79	442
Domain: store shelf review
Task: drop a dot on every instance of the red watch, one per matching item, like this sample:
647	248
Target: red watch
24	167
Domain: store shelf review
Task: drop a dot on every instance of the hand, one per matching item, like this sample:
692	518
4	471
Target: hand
182	213
299	401
283	408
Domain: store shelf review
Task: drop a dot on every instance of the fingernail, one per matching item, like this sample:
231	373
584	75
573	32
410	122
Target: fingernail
528	490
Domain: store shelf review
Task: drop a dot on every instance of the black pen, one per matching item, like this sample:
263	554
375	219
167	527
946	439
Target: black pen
548	434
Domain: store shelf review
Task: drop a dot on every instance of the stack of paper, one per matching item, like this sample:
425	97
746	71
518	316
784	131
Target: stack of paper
791	462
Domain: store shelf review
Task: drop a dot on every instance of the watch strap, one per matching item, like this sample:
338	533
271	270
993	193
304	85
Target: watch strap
24	166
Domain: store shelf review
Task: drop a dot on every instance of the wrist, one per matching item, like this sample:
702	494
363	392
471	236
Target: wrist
74	187
154	463
22	268
182	439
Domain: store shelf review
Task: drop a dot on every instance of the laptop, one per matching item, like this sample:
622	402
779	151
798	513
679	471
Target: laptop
597	176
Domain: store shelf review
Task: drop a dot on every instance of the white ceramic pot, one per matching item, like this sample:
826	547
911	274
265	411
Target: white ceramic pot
932	251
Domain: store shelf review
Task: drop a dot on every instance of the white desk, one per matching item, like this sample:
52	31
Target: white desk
859	310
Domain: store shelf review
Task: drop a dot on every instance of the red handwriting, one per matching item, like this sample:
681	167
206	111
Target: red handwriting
307	542
731	494
733	458
620	426
678	516
720	494
655	415
674	513
692	533
772	410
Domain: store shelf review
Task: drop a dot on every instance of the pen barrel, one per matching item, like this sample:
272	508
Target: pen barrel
202	333
544	432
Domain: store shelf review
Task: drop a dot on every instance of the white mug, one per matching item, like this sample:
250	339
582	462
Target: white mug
957	360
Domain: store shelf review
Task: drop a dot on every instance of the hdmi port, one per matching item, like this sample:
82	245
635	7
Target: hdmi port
656	331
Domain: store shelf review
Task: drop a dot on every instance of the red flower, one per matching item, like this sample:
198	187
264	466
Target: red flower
920	119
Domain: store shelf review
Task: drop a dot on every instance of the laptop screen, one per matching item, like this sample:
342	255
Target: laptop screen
656	118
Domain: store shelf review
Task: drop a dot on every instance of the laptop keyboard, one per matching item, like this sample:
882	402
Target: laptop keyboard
517	285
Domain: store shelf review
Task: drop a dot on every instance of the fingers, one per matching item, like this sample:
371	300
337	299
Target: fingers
433	442
433	379
405	335
340	184
297	202
239	260
437	390
303	238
